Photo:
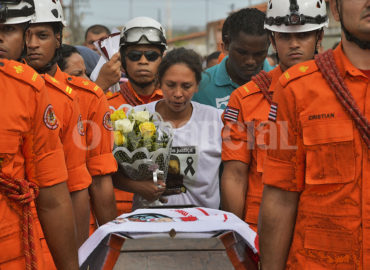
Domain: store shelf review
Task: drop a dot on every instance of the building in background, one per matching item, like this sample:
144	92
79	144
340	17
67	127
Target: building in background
195	41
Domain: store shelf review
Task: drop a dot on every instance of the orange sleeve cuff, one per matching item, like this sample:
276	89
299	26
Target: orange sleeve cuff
78	178
50	169
280	174
235	150
102	164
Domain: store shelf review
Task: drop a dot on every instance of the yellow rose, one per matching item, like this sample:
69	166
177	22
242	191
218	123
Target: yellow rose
119	139
121	114
147	129
117	115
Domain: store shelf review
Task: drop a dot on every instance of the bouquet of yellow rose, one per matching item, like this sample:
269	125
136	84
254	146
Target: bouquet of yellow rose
142	142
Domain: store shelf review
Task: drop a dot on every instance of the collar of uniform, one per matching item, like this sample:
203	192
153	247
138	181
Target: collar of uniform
156	93
222	78
275	75
344	64
59	75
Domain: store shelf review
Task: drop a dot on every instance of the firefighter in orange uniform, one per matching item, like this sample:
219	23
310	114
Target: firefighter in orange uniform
99	140
93	125
32	166
143	43
43	41
246	117
315	207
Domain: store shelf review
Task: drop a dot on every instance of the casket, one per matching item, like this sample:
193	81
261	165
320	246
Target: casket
223	251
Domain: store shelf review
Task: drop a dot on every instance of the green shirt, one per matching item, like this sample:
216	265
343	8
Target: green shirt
216	85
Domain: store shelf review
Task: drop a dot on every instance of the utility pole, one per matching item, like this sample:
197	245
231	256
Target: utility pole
74	20
169	19
232	7
72	15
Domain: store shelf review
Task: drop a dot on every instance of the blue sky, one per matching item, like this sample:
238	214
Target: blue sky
183	12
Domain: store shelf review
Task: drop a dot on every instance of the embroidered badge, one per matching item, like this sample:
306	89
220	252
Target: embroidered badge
303	69
69	90
287	75
273	112
18	69
246	89
107	123
231	114
54	80
50	119
80	126
34	77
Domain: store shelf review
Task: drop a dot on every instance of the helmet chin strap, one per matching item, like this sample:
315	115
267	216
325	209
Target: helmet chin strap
48	66
140	84
57	56
363	44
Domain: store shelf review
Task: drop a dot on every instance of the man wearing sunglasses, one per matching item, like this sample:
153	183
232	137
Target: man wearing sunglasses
142	44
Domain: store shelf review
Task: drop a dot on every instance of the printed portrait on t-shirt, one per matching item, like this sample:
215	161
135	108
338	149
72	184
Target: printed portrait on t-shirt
182	168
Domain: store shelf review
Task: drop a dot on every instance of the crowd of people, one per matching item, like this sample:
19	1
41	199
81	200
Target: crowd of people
284	146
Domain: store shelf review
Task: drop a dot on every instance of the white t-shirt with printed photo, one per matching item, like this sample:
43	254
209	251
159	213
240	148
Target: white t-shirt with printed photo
196	156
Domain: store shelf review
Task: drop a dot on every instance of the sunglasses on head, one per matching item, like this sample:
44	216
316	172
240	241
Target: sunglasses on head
136	55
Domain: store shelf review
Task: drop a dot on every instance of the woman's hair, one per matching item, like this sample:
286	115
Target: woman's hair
181	56
66	51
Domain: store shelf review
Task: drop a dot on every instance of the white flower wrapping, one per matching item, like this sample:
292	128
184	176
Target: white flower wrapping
145	155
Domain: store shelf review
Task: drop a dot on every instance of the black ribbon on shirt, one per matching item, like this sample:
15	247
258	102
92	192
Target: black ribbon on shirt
189	162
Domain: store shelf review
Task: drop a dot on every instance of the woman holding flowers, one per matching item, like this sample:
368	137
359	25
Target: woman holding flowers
193	174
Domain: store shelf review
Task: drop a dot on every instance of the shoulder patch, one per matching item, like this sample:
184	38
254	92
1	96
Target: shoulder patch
84	84
62	86
248	89
22	72
50	120
298	71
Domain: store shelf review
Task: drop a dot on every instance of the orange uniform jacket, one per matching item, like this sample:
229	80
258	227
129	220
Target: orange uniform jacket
322	156
97	126
29	149
123	198
243	139
65	102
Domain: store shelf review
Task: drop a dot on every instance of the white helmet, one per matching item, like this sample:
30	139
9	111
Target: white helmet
294	16
143	30
16	11
48	11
